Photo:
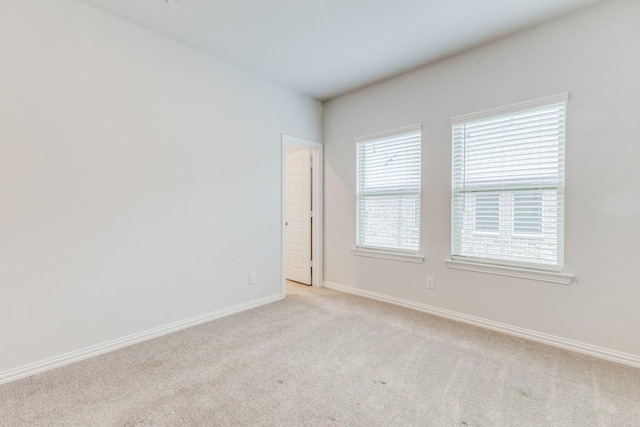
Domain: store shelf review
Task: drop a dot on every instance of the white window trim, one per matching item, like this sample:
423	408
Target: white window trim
385	253
505	268
512	108
388	254
386	133
511	271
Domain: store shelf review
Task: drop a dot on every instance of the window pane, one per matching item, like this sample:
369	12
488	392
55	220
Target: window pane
388	191
390	221
487	211
527	213
508	186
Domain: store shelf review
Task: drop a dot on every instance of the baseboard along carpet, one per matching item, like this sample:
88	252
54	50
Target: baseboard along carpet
326	358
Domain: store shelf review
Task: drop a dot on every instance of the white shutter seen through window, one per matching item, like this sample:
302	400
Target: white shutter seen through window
508	184
388	190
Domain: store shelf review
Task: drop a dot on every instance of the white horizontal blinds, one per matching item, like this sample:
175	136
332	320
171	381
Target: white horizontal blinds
508	186
388	191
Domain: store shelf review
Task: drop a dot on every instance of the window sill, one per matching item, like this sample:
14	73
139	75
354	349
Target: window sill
396	256
504	270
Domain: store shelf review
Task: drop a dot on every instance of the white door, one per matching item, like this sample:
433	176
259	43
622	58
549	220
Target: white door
298	220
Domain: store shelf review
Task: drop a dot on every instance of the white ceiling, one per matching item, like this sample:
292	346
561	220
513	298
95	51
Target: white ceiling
328	47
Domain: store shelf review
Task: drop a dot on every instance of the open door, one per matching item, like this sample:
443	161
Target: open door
298	219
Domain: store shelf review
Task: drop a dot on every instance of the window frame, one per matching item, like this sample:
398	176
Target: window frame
397	253
549	273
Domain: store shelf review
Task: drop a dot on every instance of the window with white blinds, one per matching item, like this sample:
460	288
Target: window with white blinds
508	185
388	190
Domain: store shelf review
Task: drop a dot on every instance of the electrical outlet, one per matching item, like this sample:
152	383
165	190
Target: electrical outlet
430	282
252	278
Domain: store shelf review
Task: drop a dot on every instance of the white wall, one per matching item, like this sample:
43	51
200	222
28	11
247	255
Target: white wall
139	180
594	54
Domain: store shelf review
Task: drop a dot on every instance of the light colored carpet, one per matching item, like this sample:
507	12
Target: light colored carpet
323	358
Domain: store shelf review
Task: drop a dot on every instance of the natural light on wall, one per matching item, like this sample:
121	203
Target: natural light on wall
508	185
388	190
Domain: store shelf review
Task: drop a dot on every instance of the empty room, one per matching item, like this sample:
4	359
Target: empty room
320	213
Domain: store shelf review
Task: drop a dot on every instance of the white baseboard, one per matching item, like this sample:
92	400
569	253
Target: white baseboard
552	340
96	350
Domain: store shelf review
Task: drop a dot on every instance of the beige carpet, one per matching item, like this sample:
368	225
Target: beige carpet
326	358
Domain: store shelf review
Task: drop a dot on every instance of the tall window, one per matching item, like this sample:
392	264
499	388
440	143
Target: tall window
388	190
508	184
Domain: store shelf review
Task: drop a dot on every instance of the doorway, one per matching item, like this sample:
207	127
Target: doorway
301	211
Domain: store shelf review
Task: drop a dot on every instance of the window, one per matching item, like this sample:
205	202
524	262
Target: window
508	185
388	190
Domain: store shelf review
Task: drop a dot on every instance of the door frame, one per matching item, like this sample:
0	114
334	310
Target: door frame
316	201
